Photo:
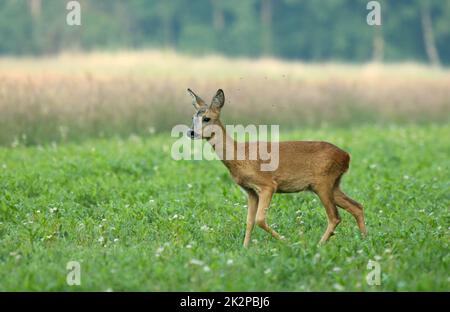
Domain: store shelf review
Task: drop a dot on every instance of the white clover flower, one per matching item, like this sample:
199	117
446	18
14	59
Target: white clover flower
205	228
268	271
230	262
196	262
338	287
159	251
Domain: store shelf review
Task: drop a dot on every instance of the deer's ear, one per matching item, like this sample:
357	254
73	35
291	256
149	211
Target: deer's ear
196	100
218	100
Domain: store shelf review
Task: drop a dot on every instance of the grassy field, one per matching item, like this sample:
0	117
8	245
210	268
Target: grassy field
137	220
86	174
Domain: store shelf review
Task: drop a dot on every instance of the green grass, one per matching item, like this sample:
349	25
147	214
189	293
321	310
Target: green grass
129	213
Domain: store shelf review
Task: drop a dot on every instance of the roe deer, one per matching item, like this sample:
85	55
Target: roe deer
303	165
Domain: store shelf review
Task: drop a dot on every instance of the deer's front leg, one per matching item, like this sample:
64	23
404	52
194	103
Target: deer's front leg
251	214
265	196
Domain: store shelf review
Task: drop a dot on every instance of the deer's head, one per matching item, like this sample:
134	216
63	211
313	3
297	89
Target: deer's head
205	117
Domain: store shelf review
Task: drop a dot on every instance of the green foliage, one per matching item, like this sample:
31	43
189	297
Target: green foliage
309	30
135	218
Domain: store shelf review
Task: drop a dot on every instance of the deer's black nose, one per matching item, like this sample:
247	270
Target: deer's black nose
190	134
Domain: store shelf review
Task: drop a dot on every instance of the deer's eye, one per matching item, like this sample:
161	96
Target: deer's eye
206	119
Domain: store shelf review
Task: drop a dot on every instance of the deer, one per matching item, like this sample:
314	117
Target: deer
314	166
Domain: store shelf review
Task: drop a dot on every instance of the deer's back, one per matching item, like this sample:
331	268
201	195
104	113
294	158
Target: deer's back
302	164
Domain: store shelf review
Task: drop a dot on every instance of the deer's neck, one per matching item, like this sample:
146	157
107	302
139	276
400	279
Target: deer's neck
225	147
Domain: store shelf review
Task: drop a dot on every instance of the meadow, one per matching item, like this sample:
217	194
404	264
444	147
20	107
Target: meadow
86	175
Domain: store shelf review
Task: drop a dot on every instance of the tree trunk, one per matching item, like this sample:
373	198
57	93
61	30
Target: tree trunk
166	16
378	45
35	8
218	18
266	29
167	31
428	35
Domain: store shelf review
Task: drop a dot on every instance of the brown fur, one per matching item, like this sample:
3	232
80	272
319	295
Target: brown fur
303	165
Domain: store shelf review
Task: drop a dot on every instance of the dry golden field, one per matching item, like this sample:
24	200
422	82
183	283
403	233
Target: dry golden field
76	96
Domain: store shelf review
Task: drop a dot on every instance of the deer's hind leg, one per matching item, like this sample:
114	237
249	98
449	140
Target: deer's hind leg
351	206
325	193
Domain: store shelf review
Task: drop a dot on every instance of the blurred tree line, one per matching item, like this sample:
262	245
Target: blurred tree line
310	30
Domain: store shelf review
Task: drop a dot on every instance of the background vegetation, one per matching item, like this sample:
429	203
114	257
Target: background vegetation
295	29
